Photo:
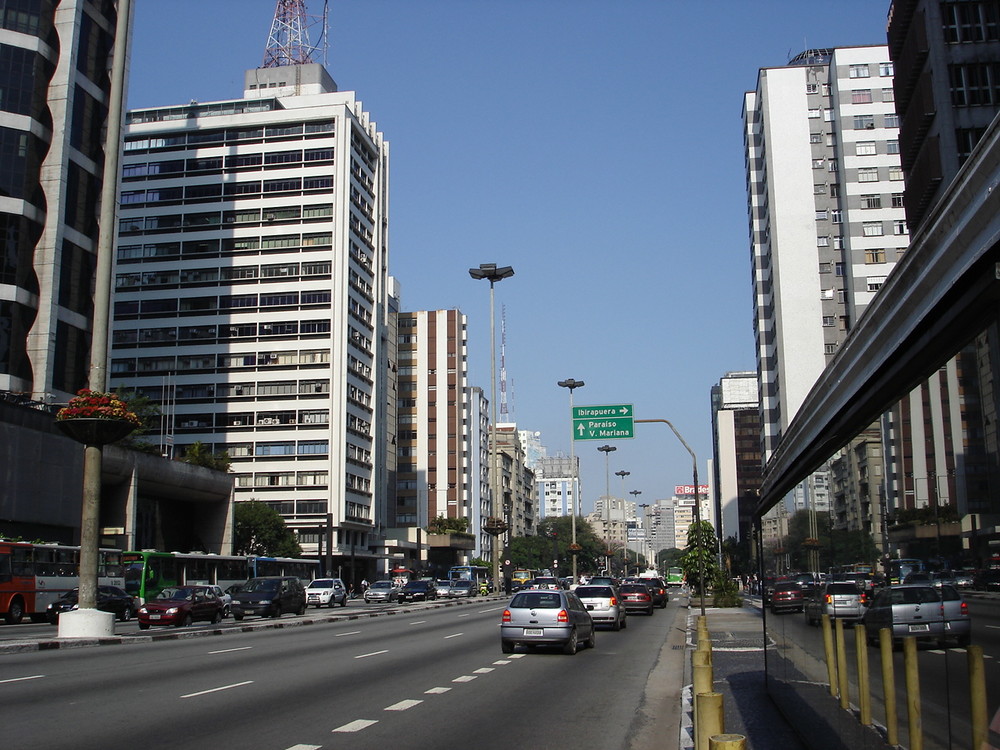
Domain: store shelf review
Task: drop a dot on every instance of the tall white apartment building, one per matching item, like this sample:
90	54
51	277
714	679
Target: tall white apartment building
251	294
825	202
555	477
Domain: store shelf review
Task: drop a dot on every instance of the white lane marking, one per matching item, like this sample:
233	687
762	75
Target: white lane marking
517	656
995	627
341	635
230	650
436	691
453	635
483	670
491	609
418	622
216	690
373	653
357	725
467	614
465	678
402	705
502	661
305	747
22	679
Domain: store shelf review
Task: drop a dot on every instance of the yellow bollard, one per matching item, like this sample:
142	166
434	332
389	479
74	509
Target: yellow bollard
842	685
831	663
977	695
702	657
727	742
703	682
708	719
888	686
912	693
864	685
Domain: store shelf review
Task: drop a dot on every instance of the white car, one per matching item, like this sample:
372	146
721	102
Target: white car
227	600
325	592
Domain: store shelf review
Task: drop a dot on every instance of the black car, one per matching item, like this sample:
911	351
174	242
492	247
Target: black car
269	596
658	589
109	599
418	591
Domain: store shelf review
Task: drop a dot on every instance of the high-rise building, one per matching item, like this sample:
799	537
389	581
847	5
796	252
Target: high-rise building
736	443
555	475
825	190
56	58
251	292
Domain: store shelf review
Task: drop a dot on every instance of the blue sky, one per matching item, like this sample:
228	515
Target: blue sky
594	145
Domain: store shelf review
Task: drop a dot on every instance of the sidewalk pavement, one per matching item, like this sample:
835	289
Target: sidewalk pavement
738	670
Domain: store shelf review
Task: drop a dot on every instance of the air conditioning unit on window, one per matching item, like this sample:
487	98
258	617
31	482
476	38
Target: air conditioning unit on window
237	423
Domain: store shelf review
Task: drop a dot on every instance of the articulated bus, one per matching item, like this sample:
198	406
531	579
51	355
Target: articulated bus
148	572
32	576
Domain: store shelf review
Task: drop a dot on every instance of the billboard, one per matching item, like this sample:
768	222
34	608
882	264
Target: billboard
688	489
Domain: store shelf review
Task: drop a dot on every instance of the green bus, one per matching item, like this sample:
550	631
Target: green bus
148	572
675	577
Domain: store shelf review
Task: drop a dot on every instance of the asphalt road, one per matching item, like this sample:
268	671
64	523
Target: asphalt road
421	678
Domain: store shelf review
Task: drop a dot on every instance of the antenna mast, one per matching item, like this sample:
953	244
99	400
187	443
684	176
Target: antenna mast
288	43
504	415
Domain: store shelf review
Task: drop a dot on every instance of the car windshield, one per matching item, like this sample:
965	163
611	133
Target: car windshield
594	591
841	588
382	585
321	584
536	600
260	584
176	594
416	585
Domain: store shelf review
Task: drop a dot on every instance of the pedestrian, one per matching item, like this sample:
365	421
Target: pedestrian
364	586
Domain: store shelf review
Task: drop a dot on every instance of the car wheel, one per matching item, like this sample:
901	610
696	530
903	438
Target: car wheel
302	609
143	626
624	623
185	622
238	617
506	646
592	641
217	617
571	645
126	614
343	602
226	611
15	613
617	625
650	610
276	610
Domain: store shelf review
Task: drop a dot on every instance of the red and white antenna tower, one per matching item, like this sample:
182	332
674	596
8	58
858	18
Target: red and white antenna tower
288	42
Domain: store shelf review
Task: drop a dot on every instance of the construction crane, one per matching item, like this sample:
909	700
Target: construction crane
288	42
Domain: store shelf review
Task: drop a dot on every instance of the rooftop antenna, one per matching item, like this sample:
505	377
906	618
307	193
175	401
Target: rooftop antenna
288	43
504	415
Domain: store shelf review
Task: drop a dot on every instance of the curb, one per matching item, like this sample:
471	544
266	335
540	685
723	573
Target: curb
53	644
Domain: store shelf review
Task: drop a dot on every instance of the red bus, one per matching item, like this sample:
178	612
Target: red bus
32	576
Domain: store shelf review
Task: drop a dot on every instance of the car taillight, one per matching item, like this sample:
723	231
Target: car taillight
829	599
965	609
563	616
613	602
506	616
864	598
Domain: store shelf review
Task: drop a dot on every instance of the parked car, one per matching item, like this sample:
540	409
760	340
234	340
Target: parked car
180	606
225	598
787	596
636	597
658	589
553	617
444	587
109	599
270	596
919	610
462	590
838	599
418	591
382	591
326	592
604	605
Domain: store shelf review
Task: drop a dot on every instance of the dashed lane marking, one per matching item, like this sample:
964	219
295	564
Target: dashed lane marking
352	632
437	690
373	653
453	635
22	679
305	747
418	622
483	670
356	725
502	661
465	678
230	650
218	689
402	705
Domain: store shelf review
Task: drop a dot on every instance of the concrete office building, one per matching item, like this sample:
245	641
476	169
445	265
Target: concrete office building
251	295
555	475
736	448
55	79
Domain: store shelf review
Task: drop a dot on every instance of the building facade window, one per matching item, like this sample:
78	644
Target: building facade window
859	71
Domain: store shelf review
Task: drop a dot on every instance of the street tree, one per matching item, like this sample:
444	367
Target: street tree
260	530
699	554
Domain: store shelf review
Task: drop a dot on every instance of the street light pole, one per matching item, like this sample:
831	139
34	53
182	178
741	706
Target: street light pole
624	474
607	450
635	494
574	489
493	274
697	504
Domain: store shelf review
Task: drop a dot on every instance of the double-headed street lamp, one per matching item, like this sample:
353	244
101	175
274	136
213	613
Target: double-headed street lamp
635	495
574	485
607	450
624	474
493	274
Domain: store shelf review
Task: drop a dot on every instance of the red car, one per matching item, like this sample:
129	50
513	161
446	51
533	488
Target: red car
787	595
636	597
180	606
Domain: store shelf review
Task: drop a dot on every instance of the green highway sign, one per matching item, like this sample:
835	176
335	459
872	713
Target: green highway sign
610	422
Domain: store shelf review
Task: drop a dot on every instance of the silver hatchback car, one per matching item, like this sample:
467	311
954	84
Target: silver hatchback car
919	610
838	599
546	617
604	605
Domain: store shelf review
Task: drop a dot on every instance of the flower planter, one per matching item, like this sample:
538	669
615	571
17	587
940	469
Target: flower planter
95	431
